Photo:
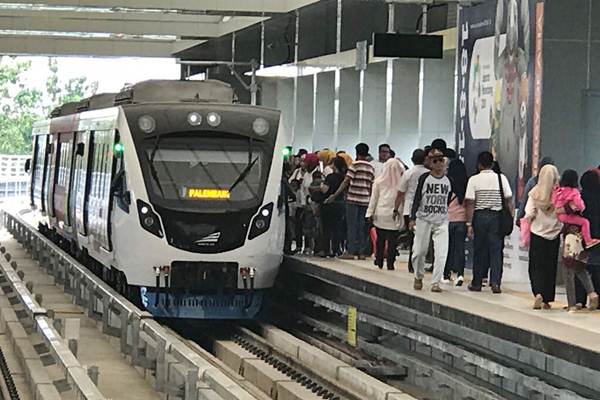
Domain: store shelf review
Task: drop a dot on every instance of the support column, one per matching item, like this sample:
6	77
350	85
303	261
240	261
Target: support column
437	100
404	133
285	103
268	92
323	113
303	131
373	129
348	110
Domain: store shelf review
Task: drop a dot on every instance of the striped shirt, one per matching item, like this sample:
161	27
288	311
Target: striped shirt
361	175
484	190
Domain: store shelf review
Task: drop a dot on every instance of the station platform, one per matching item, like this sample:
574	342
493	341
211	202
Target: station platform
573	337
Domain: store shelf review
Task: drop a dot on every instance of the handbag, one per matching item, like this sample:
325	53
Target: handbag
506	219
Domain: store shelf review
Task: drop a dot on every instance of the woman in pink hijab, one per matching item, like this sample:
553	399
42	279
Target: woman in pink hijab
381	211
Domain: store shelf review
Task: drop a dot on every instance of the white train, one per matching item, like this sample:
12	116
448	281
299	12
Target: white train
170	192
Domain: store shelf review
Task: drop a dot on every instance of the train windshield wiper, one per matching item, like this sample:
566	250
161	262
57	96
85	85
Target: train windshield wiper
244	174
153	171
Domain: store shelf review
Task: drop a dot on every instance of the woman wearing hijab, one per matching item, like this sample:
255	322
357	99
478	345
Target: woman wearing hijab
457	216
326	156
347	158
590	193
545	237
381	211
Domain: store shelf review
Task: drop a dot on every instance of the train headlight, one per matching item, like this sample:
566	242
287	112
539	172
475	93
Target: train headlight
148	219
194	118
260	126
261	222
213	119
146	123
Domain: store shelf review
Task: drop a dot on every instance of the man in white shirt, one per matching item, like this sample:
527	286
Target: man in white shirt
484	220
300	180
408	187
385	153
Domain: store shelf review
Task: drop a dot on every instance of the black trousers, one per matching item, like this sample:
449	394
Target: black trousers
299	228
543	263
456	249
333	228
391	237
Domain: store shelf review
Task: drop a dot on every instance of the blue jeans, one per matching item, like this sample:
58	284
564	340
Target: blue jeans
488	244
357	229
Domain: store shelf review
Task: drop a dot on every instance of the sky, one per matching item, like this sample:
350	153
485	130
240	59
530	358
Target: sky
111	73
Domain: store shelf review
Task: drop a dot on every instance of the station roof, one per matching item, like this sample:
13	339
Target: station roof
144	28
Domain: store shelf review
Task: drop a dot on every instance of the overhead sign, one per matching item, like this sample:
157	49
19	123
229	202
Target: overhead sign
407	45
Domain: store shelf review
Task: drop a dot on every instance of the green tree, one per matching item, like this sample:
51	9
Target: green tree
74	89
22	105
20	108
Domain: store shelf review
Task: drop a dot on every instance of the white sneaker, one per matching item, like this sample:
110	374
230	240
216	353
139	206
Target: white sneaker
459	281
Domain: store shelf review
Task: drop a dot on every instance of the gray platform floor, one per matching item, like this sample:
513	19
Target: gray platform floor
513	307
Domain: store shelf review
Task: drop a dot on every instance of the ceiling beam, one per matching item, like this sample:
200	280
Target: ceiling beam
110	25
125	16
222	7
237	23
49	46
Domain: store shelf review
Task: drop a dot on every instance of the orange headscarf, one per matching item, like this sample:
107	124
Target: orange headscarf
347	159
326	156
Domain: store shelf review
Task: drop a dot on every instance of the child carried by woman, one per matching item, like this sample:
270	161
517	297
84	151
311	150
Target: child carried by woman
568	195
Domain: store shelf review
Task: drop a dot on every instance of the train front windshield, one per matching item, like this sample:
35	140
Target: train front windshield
206	172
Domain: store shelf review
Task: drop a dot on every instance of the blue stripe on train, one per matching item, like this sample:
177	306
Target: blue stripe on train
238	306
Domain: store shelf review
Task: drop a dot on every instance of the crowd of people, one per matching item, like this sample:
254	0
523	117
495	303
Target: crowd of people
358	207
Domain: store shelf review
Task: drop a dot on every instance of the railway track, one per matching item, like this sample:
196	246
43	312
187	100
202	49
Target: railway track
441	360
260	363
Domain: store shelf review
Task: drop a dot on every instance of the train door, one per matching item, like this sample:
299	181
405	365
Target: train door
64	156
71	197
38	174
81	181
49	175
100	196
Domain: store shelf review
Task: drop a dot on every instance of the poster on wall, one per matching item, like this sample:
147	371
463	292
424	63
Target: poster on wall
499	85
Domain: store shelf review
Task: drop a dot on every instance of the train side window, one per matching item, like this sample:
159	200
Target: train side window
119	189
100	197
38	171
82	180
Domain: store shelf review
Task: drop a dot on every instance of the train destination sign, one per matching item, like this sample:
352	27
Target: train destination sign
205	193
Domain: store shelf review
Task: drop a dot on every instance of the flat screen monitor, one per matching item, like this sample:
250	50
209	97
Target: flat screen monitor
407	45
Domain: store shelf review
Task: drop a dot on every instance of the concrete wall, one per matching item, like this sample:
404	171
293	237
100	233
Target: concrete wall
437	102
420	105
404	130
323	111
571	67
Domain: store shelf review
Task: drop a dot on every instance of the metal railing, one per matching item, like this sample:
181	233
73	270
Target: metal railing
14	181
178	370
